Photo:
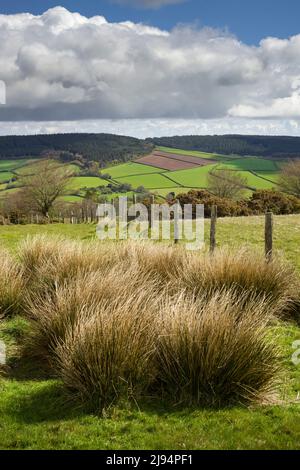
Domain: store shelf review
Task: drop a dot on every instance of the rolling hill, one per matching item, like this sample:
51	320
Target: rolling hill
188	171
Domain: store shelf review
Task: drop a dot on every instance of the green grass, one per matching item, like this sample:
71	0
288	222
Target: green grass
35	415
6	176
165	191
194	177
255	181
151	181
130	169
71	199
79	182
7	165
252	164
195	153
268	175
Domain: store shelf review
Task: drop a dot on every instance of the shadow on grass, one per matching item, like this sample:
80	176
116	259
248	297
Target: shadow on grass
45	402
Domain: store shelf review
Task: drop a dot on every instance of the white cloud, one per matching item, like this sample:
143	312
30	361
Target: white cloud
62	66
142	128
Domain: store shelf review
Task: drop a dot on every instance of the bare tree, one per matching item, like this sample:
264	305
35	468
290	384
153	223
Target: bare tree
42	189
226	183
289	180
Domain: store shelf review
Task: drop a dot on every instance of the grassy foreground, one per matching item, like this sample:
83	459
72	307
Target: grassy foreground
34	414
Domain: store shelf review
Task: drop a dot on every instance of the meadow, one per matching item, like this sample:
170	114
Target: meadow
38	410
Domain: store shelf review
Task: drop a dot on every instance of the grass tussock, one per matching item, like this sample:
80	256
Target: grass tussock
123	320
216	352
110	355
11	285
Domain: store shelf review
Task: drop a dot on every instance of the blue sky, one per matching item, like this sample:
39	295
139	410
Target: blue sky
249	20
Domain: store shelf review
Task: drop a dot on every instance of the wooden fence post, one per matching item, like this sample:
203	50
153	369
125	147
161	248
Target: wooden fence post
152	202
213	224
269	236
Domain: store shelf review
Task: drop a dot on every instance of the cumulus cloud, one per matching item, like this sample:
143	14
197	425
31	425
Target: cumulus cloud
148	3
62	66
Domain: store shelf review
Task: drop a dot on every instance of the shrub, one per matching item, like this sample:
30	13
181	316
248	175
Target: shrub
260	202
226	207
275	201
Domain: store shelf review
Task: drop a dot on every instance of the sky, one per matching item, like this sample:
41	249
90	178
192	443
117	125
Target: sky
150	67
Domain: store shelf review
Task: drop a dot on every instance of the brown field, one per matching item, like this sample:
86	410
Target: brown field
186	158
172	162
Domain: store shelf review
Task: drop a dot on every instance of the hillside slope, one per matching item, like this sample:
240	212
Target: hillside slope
98	147
265	146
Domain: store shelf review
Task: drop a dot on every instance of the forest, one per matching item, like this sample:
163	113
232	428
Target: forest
265	146
96	147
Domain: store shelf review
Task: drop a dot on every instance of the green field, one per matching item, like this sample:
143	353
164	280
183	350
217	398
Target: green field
251	164
13	164
195	153
80	182
6	176
152	181
34	413
195	177
260	173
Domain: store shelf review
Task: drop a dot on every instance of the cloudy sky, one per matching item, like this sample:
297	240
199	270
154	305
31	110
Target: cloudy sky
150	67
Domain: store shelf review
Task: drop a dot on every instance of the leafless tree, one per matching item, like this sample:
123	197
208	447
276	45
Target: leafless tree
289	179
42	189
227	183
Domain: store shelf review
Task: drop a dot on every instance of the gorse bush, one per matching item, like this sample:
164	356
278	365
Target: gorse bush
259	202
124	320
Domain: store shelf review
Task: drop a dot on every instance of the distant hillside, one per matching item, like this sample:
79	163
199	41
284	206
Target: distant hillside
266	146
109	148
98	147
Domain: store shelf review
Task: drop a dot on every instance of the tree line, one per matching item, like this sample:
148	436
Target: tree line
265	146
91	147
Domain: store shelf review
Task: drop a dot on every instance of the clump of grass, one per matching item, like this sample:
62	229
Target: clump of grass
248	273
215	352
117	320
54	313
109	356
11	286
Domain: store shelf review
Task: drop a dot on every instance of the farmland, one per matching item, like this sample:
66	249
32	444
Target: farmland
163	171
181	170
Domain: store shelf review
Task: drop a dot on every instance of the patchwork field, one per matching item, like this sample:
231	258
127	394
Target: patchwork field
164	170
181	170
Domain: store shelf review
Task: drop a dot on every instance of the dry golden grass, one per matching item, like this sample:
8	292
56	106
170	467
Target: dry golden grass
11	285
216	352
120	320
